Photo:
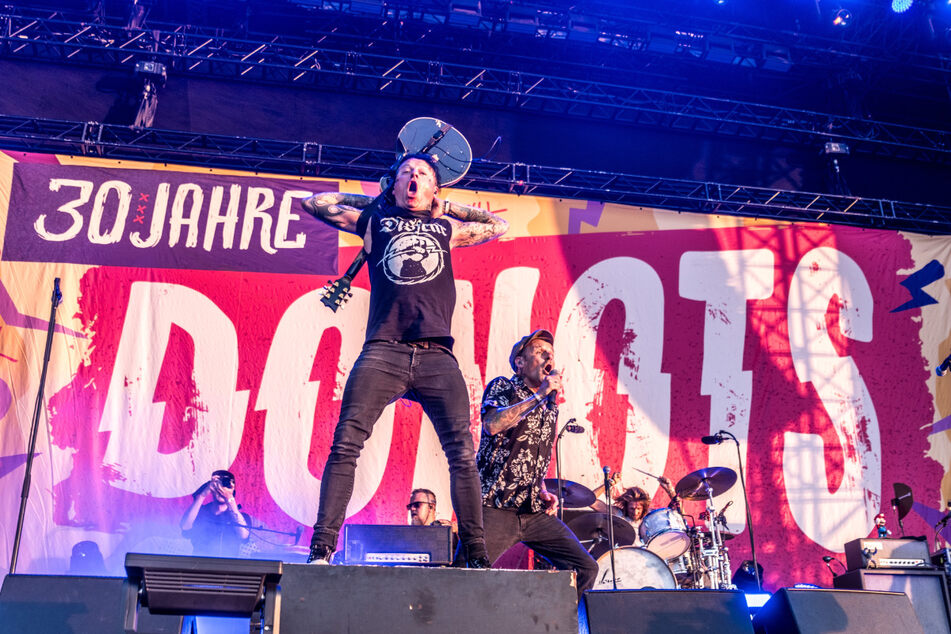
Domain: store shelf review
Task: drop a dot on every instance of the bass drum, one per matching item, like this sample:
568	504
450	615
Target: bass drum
635	568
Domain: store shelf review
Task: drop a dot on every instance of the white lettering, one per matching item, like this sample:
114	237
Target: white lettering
158	220
259	199
124	192
178	218
825	275
134	421
284	218
725	281
290	399
647	426
69	208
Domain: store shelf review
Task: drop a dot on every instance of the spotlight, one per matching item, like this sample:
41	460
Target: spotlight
900	6
842	18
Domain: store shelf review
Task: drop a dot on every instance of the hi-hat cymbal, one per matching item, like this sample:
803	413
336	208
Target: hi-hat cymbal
592	529
573	495
717	480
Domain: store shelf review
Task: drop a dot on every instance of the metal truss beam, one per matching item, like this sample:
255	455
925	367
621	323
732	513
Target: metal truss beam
284	63
315	159
878	38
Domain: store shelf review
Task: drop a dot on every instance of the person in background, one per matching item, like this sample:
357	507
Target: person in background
219	528
422	509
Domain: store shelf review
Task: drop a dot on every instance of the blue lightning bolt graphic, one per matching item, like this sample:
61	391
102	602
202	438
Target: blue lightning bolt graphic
930	272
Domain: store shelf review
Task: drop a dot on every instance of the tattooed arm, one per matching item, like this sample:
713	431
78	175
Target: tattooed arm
470	226
496	420
337	209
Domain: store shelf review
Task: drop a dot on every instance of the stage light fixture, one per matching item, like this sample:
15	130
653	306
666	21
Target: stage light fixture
842	18
900	6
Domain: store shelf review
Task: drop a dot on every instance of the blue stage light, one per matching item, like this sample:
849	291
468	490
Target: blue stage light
900	6
757	599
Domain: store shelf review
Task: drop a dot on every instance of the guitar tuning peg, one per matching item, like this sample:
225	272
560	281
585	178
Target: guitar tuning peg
349	294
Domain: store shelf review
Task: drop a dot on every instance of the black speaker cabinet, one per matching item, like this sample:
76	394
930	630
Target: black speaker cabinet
385	544
664	612
398	599
927	590
821	611
72	605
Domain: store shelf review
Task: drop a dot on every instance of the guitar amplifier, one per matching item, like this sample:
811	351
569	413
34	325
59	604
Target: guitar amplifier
887	553
389	545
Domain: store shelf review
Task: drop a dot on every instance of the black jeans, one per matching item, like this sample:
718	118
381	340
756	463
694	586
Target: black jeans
546	535
431	377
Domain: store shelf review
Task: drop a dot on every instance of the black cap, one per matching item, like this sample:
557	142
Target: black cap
541	333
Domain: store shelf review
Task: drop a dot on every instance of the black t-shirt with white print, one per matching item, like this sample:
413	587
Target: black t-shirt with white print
412	292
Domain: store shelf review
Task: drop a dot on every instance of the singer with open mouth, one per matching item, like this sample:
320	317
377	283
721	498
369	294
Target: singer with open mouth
519	416
408	347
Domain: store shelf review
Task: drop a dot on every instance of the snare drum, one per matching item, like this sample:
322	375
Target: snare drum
664	533
634	568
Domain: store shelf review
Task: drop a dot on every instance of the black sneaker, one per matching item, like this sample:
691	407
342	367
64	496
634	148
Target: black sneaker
481	562
320	554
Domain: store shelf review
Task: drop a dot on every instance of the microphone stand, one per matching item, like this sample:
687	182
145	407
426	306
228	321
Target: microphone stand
607	497
749	516
34	427
561	488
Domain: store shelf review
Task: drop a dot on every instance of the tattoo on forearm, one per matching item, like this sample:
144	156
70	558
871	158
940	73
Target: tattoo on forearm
477	226
508	417
471	214
336	208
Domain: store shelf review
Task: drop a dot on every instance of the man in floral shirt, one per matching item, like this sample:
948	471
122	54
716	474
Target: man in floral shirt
519	415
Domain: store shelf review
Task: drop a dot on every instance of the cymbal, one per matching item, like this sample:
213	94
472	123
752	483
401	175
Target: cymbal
693	486
592	529
573	495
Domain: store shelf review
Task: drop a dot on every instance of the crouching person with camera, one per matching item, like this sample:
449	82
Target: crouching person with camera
219	528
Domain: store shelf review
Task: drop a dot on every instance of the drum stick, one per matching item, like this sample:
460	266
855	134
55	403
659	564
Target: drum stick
647	474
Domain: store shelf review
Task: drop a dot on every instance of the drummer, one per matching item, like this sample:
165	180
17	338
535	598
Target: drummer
633	503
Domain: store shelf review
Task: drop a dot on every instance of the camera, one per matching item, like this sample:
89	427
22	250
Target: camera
224	478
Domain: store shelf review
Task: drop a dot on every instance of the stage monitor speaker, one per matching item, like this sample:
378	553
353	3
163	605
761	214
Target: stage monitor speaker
664	611
886	553
72	605
398	599
822	611
926	589
386	544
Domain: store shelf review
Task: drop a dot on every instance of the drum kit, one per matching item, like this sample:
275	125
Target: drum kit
673	554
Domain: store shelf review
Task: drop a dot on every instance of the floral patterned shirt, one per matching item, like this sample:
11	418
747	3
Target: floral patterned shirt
513	463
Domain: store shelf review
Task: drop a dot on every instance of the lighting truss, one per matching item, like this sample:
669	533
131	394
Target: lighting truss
888	44
340	162
280	62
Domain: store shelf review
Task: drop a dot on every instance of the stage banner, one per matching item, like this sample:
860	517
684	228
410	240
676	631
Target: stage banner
191	338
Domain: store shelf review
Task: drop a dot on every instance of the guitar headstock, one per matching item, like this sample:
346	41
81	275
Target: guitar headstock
335	293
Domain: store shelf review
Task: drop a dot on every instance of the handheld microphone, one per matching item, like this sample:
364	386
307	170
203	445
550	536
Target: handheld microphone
553	395
715	439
